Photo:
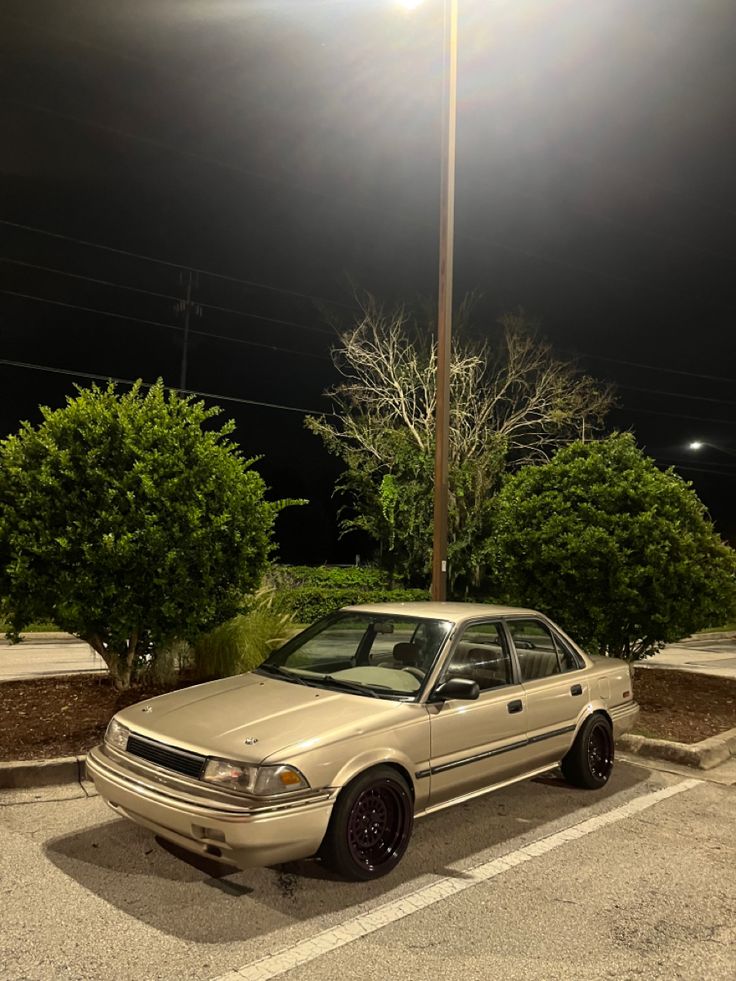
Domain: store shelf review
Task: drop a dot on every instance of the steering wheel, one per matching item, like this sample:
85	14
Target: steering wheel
416	672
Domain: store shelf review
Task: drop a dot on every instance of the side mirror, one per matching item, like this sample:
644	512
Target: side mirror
456	688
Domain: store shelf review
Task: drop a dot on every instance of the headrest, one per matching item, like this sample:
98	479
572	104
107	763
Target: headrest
406	653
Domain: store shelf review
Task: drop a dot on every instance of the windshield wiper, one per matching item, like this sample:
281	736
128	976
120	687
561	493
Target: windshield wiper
284	673
349	685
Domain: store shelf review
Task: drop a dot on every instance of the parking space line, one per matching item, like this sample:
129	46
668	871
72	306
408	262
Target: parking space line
304	951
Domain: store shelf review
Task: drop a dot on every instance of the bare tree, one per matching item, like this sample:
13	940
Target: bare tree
510	404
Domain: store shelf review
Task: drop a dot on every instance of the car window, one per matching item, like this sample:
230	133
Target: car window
383	645
570	659
339	640
389	655
481	655
538	654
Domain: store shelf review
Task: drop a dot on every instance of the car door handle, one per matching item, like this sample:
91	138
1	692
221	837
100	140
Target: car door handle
576	690
516	706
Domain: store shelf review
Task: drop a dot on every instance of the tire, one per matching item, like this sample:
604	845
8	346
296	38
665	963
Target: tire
589	762
370	827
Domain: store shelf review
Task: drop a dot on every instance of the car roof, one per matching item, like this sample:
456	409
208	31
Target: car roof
454	612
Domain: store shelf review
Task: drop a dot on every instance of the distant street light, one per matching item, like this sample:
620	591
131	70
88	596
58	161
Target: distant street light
444	300
699	444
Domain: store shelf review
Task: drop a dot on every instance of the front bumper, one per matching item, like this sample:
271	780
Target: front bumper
242	835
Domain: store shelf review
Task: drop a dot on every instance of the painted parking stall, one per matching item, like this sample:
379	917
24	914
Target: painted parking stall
357	927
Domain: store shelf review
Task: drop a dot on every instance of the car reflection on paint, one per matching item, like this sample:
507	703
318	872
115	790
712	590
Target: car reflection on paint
368	719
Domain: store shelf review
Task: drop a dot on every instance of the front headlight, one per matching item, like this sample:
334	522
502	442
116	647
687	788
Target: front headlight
260	781
117	735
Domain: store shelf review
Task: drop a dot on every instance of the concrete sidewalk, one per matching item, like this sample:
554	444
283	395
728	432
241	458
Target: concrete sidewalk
701	655
45	655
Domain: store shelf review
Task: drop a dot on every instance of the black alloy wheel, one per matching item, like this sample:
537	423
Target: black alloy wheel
590	761
371	825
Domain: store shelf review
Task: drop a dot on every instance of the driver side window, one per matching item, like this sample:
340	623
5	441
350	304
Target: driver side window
481	655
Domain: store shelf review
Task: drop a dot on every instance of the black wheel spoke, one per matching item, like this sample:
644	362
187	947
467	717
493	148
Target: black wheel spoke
589	761
600	752
377	826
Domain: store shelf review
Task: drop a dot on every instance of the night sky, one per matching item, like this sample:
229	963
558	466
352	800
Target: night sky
288	150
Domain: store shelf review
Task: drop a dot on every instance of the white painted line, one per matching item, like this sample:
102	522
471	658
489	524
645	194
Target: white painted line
274	965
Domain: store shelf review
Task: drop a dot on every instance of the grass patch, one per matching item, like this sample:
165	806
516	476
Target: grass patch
33	628
726	628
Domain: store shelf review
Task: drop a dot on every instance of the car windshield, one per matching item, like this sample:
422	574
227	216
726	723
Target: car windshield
367	653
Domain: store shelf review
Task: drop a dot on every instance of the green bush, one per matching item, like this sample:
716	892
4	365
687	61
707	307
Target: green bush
309	603
621	554
284	577
131	521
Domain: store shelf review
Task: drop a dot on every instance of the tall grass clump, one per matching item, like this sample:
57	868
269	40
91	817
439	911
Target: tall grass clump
241	644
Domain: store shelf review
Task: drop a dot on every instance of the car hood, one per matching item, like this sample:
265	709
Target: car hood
252	717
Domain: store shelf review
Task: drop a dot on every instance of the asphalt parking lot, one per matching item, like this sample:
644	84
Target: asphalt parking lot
538	881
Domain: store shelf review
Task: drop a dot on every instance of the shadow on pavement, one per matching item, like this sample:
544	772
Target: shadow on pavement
206	903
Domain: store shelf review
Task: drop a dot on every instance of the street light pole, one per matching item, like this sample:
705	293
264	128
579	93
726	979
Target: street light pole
444	311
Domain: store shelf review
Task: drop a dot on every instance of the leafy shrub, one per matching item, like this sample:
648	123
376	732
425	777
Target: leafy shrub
130	521
621	554
309	603
327	577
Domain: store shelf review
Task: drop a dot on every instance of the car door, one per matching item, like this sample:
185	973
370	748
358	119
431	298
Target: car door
554	684
474	744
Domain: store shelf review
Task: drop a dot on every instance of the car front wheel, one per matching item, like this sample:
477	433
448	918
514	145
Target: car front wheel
371	825
590	760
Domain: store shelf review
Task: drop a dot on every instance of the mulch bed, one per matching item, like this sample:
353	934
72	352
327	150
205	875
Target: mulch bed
47	717
65	716
682	705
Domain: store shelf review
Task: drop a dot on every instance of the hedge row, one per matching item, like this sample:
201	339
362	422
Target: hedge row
309	603
326	577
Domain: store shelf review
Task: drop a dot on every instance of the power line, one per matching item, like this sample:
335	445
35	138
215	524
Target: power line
270	320
676	395
163	296
717	466
102	313
651	367
369	206
173	265
624	227
671	189
323	330
169	388
713	473
674	415
89	279
158	323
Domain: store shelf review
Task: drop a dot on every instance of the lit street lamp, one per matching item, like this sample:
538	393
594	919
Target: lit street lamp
444	304
698	444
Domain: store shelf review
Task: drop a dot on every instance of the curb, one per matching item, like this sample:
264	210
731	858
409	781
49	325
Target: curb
715	635
704	755
42	773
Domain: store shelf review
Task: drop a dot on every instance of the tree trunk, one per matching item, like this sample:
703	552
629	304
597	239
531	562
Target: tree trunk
119	664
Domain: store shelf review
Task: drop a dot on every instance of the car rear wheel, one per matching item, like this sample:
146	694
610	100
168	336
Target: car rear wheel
371	825
590	760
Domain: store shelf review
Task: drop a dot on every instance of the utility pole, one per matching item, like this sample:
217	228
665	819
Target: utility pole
186	307
444	313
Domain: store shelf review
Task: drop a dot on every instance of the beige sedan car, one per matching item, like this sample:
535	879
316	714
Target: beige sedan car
370	718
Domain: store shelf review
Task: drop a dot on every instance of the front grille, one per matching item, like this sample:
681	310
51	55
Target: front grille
178	760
